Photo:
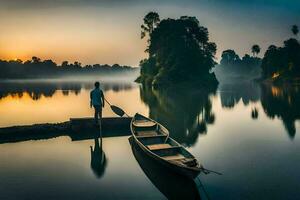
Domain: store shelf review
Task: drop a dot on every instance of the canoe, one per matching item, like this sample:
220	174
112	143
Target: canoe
154	140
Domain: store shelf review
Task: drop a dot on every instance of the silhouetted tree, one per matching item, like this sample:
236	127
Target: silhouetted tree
229	57
151	20
64	63
295	30
282	62
180	51
36	68
232	66
255	49
35	59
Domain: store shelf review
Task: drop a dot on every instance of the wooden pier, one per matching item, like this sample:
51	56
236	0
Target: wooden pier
75	128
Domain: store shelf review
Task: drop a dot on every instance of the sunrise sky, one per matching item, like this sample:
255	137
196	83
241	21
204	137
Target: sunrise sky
108	31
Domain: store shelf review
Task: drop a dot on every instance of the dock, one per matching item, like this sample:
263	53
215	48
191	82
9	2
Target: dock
76	128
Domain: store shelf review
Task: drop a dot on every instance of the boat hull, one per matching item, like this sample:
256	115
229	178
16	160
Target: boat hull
189	173
172	184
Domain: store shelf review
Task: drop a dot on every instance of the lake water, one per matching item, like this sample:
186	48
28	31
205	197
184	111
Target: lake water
248	132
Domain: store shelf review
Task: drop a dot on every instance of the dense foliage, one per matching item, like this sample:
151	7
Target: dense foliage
36	68
282	62
232	65
179	51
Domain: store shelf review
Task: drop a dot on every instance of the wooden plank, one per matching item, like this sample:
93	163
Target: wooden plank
107	120
108	123
159	146
150	136
146	133
143	123
191	162
174	157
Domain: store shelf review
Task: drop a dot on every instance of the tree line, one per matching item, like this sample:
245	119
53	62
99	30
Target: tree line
278	63
281	63
179	51
48	89
37	68
232	65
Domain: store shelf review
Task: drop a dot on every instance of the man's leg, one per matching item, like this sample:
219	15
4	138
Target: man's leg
100	117
96	114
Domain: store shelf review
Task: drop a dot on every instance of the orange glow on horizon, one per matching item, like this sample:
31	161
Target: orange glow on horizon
22	109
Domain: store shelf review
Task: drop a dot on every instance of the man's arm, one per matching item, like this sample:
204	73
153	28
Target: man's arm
102	98
91	105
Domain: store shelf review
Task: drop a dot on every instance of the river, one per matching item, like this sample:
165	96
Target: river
248	132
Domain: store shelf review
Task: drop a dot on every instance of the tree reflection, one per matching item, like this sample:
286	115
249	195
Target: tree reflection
36	90
232	93
185	112
282	102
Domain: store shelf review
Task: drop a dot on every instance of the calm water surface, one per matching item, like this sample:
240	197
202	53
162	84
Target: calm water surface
248	132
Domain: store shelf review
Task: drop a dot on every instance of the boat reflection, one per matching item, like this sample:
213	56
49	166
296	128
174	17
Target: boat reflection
172	185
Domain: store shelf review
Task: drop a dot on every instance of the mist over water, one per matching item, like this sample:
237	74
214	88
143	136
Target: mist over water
219	128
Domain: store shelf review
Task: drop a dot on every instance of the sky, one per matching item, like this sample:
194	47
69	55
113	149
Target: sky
108	31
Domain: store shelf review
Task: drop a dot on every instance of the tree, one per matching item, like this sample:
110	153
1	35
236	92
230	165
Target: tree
232	65
65	64
35	59
151	20
77	64
282	62
229	57
180	51
295	30
47	68
255	49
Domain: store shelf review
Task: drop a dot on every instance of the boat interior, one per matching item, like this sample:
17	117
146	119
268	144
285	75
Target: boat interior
152	136
147	128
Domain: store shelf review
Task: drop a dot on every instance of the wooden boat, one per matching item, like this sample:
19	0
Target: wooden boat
168	182
154	140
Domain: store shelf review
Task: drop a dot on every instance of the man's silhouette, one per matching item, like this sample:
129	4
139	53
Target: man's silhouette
97	101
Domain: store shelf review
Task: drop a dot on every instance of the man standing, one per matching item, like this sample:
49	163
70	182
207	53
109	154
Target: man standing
97	101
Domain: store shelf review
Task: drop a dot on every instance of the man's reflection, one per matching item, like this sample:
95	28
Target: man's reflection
98	159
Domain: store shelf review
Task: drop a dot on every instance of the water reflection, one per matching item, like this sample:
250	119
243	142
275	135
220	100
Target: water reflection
172	185
231	94
254	113
98	158
48	88
282	102
185	112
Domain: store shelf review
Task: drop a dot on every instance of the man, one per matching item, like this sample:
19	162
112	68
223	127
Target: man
97	101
